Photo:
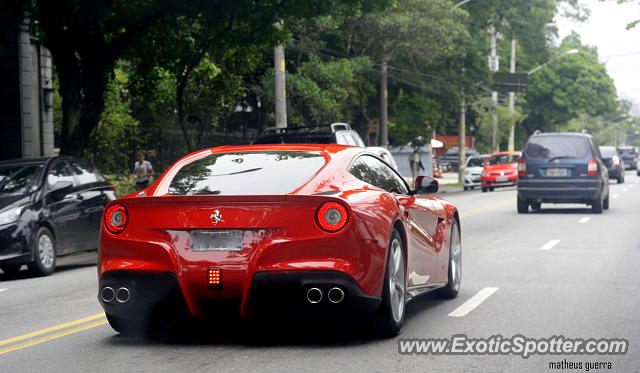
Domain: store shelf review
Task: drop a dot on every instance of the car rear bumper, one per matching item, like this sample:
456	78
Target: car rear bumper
568	190
168	252
271	295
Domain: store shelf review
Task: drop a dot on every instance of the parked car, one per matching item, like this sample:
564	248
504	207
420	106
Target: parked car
630	156
336	133
49	207
385	154
473	170
277	231
500	170
614	163
449	160
562	168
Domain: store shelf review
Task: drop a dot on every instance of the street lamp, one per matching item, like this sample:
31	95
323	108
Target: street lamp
570	51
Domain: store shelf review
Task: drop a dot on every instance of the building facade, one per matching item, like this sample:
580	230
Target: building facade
26	93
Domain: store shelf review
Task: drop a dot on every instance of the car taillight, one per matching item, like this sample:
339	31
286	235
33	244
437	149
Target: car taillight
332	216
592	167
214	278
522	168
615	160
116	218
113	188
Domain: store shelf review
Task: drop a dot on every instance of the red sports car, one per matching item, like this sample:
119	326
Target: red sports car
500	170
277	229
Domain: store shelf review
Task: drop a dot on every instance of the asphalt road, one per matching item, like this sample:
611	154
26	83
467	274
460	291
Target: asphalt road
563	271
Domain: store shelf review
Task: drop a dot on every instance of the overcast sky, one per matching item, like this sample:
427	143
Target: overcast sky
618	48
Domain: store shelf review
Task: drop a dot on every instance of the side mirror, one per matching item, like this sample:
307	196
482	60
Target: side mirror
61	186
425	185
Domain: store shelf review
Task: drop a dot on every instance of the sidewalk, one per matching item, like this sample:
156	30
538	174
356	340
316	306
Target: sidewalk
447	183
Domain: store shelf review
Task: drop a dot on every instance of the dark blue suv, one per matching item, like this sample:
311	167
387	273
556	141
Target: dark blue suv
562	168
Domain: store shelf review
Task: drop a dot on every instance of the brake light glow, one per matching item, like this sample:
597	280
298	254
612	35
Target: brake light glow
116	218
214	278
592	167
332	216
522	168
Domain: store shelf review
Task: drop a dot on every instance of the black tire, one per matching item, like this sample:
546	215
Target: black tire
605	203
11	269
491	189
535	205
484	190
465	188
387	324
44	253
523	206
596	205
452	288
620	180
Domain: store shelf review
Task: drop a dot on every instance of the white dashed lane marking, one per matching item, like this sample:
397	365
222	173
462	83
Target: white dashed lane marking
585	219
549	245
473	302
1	290
616	195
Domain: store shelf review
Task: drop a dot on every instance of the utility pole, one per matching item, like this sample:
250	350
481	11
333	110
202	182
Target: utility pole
512	99
494	67
383	128
280	86
462	136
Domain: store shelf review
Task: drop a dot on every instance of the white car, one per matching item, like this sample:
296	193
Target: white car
384	154
472	171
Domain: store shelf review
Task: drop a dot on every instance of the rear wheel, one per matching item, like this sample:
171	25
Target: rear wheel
491	189
620	179
44	253
523	206
596	205
11	269
455	264
484	190
390	317
605	203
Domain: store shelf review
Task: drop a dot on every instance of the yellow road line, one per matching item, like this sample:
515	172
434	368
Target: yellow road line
52	336
52	329
487	208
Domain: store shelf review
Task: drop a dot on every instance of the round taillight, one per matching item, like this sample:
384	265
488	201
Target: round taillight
332	216
116	218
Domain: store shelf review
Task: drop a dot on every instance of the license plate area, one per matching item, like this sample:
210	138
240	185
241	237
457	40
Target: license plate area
501	179
219	240
556	171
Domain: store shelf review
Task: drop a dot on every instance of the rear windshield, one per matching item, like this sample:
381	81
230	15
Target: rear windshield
607	151
248	173
503	159
475	162
549	147
628	151
18	179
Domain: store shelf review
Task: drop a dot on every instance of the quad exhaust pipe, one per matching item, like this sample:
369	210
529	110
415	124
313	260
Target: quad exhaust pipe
122	295
335	295
107	294
314	295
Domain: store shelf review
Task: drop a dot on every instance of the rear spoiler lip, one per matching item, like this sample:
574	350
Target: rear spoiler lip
145	201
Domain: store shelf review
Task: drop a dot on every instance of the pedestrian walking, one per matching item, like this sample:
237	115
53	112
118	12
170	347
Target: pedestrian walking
143	171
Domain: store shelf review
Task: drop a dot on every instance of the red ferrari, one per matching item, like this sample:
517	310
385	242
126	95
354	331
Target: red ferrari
500	170
277	229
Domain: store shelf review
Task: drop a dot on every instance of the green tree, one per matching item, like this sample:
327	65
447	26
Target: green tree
572	85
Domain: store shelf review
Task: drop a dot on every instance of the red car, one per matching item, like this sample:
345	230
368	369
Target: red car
276	229
500	170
